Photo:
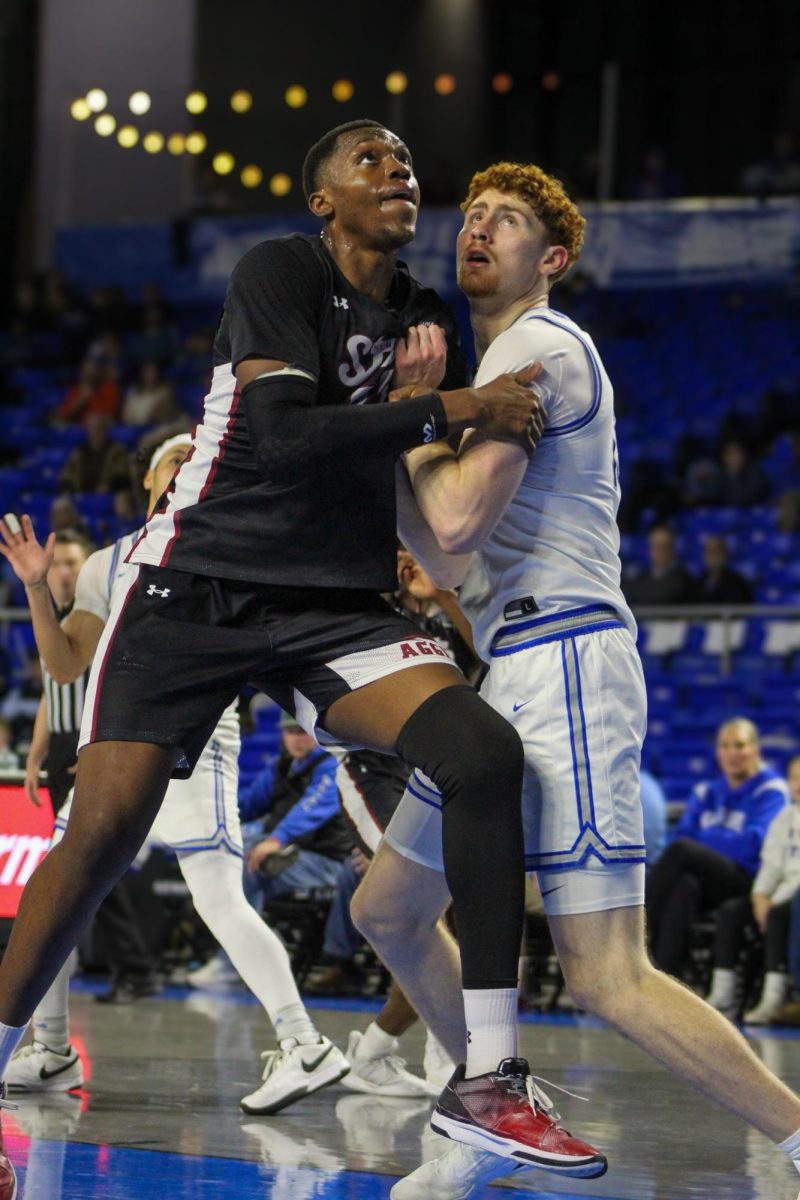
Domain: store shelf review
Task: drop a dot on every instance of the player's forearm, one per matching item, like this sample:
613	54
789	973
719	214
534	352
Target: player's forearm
40	739
446	570
57	650
462	497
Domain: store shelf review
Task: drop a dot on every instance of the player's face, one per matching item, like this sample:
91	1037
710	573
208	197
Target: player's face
68	558
738	753
158	480
371	186
500	248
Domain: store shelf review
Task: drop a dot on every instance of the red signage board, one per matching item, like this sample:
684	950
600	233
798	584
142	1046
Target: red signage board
25	832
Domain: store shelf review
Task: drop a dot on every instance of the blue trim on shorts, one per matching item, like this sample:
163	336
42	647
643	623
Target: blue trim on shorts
536	622
611	623
424	799
572	746
583	731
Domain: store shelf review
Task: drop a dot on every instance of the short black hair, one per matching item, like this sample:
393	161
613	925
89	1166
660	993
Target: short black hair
322	150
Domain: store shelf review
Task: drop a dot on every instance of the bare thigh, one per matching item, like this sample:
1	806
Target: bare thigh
373	715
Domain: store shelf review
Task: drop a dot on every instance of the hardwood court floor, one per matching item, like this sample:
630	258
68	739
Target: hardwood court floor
159	1116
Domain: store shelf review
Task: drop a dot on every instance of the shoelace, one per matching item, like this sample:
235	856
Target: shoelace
272	1060
538	1098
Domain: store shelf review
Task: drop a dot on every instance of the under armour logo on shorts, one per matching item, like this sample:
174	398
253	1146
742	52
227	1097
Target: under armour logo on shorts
156	591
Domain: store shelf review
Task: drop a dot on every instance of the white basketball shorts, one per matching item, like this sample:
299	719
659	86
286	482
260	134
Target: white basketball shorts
200	813
572	686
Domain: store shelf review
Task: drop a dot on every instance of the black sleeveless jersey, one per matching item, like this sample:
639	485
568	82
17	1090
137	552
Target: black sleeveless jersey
288	301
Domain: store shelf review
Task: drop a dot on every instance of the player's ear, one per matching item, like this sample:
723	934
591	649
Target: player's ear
147	482
555	260
321	204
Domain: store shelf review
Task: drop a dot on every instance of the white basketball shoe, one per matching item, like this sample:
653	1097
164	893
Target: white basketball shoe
385	1075
455	1175
36	1068
293	1071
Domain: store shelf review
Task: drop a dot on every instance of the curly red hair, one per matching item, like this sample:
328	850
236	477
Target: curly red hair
542	193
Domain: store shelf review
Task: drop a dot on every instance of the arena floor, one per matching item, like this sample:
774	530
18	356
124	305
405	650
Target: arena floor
159	1116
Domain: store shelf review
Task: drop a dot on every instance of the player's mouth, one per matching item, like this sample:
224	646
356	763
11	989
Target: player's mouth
398	196
476	258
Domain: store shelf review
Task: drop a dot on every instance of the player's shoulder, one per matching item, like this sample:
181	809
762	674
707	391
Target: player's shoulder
423	302
294	252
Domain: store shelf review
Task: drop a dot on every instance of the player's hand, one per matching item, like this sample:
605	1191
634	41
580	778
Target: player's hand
29	560
761	908
413	579
511	410
261	851
31	784
420	358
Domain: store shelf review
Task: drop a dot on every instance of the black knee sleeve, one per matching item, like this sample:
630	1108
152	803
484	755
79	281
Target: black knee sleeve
475	758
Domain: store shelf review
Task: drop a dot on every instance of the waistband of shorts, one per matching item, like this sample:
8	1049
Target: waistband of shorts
521	635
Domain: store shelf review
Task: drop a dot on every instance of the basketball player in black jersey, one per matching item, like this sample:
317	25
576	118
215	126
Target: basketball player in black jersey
264	562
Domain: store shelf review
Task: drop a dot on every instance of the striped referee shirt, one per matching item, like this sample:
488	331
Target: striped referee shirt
64	701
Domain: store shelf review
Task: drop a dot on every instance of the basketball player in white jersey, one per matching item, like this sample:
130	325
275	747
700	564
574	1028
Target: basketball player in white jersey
542	592
199	821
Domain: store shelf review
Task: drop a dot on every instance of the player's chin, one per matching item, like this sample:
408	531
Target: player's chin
475	284
400	230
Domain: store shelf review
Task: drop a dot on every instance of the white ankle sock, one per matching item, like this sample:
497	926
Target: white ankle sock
791	1147
491	1016
51	1019
293	1021
10	1038
375	1043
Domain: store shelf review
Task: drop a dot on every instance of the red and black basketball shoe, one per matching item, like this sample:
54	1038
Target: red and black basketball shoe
505	1112
8	1176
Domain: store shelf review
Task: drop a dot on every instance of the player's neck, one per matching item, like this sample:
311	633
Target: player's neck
489	321
370	271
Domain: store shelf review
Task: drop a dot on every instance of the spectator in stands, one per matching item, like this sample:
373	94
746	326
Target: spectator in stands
9	759
717	843
654	811
100	465
64	514
151	399
666	581
303	838
742	482
768	907
719	582
94	392
779	173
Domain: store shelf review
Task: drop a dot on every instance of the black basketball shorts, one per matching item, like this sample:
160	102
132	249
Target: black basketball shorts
178	648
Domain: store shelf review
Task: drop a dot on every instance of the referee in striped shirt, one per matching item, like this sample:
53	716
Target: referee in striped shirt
58	721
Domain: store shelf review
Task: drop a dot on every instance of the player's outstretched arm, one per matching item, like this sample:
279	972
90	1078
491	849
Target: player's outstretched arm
66	649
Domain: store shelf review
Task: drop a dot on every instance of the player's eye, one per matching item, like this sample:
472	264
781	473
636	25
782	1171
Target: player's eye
367	154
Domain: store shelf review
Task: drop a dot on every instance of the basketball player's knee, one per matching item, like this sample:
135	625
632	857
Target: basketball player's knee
467	748
611	990
385	919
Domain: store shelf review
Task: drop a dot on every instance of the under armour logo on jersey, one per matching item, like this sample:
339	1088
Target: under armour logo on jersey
429	430
157	591
340	302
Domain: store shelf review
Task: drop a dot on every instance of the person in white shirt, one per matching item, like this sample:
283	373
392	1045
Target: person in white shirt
768	907
199	821
543	593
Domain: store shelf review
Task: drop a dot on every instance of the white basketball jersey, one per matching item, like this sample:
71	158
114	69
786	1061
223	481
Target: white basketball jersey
556	546
103	577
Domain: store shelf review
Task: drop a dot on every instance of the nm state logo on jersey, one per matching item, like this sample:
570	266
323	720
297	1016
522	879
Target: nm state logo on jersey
368	369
